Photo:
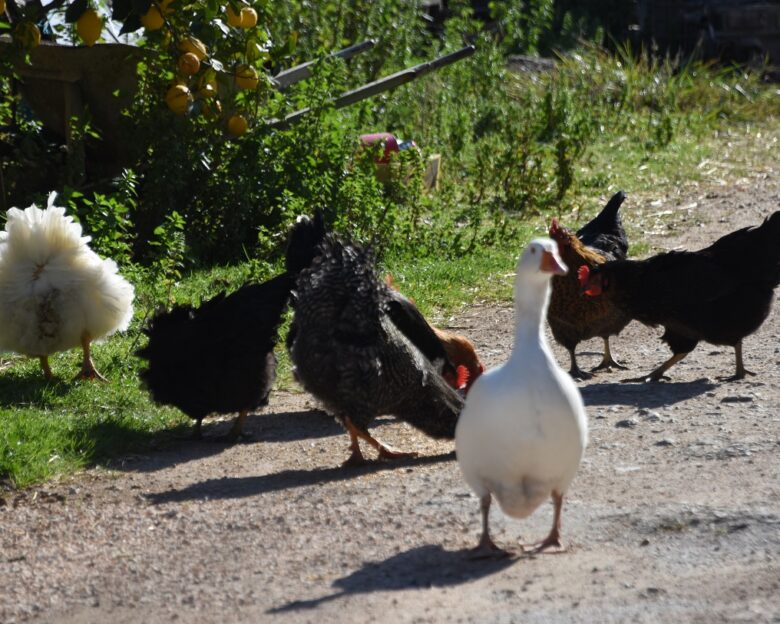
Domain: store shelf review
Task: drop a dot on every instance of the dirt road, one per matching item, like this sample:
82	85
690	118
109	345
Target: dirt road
674	515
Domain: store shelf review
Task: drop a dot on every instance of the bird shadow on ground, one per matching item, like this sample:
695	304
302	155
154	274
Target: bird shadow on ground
291	426
419	568
648	395
242	487
177	446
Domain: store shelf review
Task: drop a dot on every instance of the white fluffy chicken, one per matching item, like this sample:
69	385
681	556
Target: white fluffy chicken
55	292
523	430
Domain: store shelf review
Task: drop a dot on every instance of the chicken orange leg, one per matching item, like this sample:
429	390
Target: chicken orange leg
608	362
574	370
356	458
741	370
88	370
658	373
46	368
237	430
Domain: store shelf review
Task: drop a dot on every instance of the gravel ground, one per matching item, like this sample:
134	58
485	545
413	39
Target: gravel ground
674	515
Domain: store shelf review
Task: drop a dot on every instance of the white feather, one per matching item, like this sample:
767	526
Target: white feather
53	287
523	430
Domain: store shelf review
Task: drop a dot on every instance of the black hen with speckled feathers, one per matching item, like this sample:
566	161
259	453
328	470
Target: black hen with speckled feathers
350	354
218	357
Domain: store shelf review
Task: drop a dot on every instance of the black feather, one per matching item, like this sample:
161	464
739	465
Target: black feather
605	232
407	318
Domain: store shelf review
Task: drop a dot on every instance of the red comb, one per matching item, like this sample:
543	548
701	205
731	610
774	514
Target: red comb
554	227
583	273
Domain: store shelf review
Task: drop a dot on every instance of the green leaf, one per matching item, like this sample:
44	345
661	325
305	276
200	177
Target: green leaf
292	42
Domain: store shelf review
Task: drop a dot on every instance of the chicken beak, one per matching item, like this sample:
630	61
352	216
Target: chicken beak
552	264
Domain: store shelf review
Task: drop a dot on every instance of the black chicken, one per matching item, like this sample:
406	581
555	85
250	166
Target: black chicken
605	232
218	358
573	318
719	294
353	344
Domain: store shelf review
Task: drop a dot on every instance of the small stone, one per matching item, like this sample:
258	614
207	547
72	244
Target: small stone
737	399
665	442
644	542
628	423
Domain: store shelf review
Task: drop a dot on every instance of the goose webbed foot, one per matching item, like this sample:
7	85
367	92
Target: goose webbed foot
487	549
552	543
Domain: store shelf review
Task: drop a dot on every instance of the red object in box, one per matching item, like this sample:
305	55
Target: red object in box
389	141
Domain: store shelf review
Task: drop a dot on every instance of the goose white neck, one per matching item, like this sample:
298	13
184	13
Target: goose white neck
532	296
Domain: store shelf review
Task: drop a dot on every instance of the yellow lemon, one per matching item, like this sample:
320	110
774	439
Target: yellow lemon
233	18
191	44
237	125
26	35
189	64
152	19
246	77
248	18
88	26
178	99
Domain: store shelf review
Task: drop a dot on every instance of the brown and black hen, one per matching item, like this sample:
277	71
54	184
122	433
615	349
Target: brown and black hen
572	317
354	348
719	294
219	357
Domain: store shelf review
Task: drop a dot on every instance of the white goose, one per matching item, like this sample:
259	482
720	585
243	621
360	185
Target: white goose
523	430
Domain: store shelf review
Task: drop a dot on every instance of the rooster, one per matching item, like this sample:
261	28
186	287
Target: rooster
55	292
573	318
719	294
351	352
219	357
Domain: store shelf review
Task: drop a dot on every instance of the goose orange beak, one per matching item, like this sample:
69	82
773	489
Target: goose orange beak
551	264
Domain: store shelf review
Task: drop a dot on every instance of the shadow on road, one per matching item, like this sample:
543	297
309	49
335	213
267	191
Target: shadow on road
423	567
647	395
174	447
290	426
241	487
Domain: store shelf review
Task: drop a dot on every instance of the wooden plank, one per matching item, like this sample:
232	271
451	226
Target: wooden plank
288	77
383	84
